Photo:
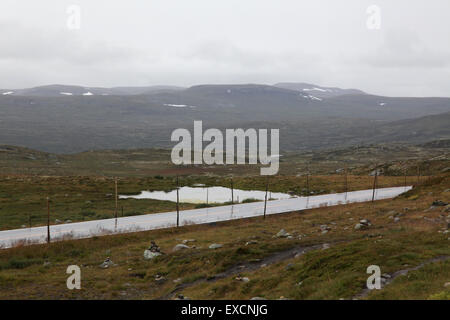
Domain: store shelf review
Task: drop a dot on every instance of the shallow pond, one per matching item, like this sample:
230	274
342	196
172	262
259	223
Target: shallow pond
208	195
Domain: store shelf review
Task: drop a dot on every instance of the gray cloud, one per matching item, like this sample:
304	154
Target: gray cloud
201	41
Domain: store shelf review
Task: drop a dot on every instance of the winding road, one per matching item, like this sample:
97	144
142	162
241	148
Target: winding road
87	229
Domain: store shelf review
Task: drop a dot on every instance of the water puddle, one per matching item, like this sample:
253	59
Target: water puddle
208	195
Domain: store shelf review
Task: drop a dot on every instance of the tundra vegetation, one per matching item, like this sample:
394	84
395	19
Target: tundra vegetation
312	254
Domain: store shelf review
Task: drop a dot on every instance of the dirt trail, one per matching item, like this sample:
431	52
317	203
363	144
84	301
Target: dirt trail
251	266
403	272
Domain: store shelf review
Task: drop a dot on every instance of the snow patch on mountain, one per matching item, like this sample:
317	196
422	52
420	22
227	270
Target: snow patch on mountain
7	93
310	97
179	105
317	89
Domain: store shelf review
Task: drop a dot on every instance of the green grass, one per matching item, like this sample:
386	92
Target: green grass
337	272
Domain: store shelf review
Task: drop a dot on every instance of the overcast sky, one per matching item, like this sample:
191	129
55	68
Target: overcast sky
188	42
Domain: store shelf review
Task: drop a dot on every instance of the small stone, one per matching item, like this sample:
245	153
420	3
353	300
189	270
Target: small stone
282	234
159	278
359	226
290	266
251	242
257	298
243	279
215	246
148	255
396	219
180	247
107	263
188	241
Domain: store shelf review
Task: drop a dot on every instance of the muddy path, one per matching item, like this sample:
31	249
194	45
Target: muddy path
251	266
387	278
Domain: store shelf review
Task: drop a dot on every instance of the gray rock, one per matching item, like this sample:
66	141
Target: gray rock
216	246
107	263
290	266
396	219
360	226
188	241
243	279
180	246
149	255
257	298
282	234
159	278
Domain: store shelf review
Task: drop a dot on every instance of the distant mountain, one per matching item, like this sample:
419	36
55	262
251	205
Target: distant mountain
58	90
317	91
69	119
